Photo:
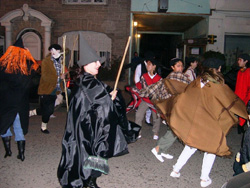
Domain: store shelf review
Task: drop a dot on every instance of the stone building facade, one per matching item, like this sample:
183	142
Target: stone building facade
112	19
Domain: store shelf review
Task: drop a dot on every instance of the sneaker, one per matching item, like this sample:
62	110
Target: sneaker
32	113
206	183
159	157
149	124
139	136
175	174
156	137
167	156
52	116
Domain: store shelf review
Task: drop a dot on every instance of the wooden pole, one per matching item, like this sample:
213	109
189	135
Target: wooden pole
121	65
63	71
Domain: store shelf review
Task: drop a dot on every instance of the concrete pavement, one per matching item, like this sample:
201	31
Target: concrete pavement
138	169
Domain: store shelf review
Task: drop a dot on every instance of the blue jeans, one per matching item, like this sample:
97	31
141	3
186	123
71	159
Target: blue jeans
17	130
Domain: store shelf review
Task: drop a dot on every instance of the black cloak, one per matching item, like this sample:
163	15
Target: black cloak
95	127
14	98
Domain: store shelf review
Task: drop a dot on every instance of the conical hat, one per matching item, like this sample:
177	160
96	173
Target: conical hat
19	43
87	54
15	59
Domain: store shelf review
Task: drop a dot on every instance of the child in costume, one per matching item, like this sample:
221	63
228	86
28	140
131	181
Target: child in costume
160	93
191	64
147	79
202	116
242	87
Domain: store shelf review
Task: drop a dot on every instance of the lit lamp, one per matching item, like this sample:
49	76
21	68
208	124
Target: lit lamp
138	35
135	24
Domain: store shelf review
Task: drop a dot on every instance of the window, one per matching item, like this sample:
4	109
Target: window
234	46
85	2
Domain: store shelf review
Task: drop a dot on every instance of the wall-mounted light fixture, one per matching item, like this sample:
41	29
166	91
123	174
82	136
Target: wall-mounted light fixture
138	35
135	24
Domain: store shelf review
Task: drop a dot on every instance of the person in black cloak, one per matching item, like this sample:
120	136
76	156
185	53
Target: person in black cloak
96	127
17	66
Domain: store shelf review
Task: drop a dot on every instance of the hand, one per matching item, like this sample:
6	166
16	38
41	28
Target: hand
62	76
113	94
237	158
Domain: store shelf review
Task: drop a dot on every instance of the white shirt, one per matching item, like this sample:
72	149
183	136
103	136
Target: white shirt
138	73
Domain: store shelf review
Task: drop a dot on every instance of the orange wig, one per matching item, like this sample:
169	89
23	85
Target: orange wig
15	59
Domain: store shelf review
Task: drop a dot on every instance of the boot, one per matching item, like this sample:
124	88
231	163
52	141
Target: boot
6	143
92	183
21	149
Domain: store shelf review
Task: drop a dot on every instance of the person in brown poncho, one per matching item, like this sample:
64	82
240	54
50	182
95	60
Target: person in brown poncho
202	116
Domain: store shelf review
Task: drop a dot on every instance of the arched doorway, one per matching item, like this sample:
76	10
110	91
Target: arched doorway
25	12
32	41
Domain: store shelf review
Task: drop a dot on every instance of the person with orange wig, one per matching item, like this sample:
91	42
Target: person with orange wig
16	69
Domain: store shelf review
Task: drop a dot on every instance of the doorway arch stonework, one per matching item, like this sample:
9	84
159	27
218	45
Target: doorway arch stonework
26	13
32	41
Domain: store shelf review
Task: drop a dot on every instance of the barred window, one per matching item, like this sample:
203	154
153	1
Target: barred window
85	2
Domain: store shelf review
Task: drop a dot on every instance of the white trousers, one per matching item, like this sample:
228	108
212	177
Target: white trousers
148	115
207	164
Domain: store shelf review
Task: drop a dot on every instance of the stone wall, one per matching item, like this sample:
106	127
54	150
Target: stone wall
19	25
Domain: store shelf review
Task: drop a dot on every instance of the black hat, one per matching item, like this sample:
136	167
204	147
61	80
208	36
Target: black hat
153	61
87	54
19	43
244	57
149	55
174	60
55	46
213	63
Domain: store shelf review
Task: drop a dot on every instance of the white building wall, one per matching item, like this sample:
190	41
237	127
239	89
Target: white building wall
197	31
230	5
228	17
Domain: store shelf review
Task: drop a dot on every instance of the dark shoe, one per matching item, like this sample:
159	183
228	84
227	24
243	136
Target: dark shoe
45	131
6	143
149	124
92	183
21	149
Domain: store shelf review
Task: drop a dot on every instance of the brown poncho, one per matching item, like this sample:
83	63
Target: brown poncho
202	117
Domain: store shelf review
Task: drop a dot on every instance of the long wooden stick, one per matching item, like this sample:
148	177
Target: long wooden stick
63	68
121	65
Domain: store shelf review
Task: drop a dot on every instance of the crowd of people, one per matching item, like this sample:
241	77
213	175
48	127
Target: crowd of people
200	111
197	106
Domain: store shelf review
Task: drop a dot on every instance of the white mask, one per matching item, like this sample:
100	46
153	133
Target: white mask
55	53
